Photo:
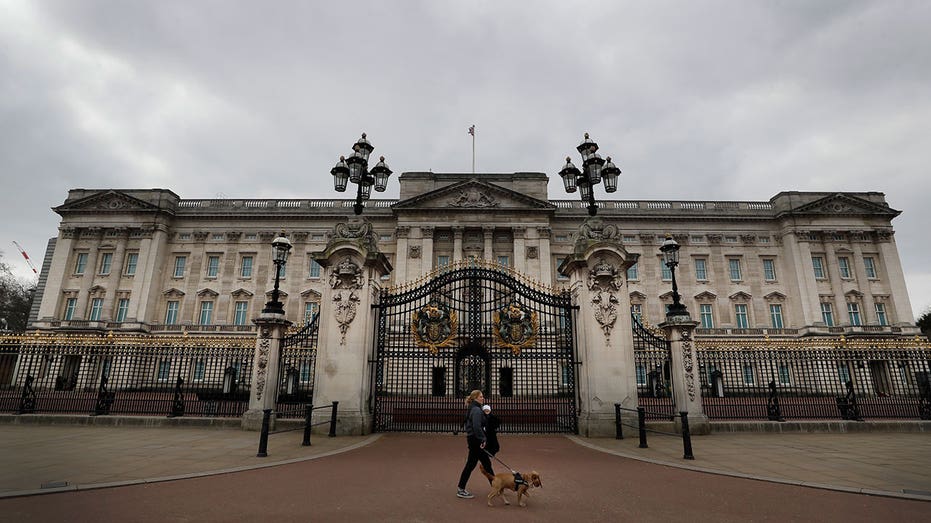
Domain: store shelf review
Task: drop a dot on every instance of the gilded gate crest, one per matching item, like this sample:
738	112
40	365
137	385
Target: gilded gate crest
515	328
434	326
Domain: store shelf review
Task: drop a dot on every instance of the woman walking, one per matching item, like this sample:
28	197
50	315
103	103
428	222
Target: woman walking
475	437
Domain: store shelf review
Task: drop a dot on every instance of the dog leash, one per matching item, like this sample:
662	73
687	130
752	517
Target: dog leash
499	461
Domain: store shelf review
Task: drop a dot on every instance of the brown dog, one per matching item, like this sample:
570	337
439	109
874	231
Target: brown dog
506	480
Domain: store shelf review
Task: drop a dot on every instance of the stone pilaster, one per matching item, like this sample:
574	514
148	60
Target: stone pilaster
457	243
264	393
400	259
683	370
607	375
426	257
353	266
488	234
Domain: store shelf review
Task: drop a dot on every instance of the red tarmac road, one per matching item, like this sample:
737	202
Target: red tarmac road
412	477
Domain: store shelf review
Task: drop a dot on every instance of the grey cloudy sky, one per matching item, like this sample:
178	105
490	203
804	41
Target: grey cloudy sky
708	100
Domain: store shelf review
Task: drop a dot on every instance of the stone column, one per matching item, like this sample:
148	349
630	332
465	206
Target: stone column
488	233
116	273
426	255
546	273
152	261
520	249
400	259
607	374
457	244
264	393
683	370
353	267
90	272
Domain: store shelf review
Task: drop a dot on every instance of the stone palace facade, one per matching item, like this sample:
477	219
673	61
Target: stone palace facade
802	263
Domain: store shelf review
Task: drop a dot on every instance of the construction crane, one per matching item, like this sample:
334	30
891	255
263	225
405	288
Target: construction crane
26	256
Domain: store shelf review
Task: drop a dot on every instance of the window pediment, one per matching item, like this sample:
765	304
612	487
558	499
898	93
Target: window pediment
207	292
173	293
240	293
706	296
740	296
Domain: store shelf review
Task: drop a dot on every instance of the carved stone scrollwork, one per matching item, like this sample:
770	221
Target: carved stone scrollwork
403	231
413	252
69	232
267	236
532	252
597	229
233	236
300	236
604	280
347	275
201	236
473	198
884	236
714	239
261	371
687	363
345	310
361	231
748	239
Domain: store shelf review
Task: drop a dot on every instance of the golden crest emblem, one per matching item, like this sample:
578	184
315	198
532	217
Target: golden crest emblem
515	328
434	326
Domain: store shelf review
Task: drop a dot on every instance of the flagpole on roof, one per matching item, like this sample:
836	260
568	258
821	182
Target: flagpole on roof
472	132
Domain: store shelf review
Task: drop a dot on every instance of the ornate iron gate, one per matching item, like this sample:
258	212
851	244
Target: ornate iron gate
296	371
654	384
474	327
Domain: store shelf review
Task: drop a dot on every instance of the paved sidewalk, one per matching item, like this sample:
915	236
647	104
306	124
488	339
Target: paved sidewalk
68	457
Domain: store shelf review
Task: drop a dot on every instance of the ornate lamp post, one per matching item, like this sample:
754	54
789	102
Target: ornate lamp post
670	250
595	170
355	169
281	248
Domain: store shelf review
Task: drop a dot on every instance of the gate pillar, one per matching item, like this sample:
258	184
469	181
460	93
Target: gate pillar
264	391
353	266
686	383
597	269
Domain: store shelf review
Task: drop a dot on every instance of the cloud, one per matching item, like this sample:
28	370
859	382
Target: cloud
698	100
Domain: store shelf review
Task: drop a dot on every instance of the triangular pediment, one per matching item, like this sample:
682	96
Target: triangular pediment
775	296
107	201
240	292
205	292
281	293
173	293
637	295
740	296
843	204
853	293
666	296
472	195
706	296
311	294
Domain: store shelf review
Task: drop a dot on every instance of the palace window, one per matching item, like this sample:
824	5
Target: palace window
132	259
122	309
443	261
164	370
504	260
783	371
881	313
707	316
740	315
817	264
106	262
632	272
701	269
239	317
206	313
80	263
314	269
869	263
844	264
853	313
769	269
200	369
70	305
96	309
827	314
749	379
665	271
245	267
282	271
310	309
641	374
733	265
636	310
775	315
180	261
843	372
171	313
213	266
559	275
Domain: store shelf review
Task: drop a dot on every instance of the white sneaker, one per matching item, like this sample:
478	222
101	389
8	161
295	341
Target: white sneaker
465	494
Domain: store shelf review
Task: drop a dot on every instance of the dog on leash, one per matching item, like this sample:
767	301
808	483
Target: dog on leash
509	481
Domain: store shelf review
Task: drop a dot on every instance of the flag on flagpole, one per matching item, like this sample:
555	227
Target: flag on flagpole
472	130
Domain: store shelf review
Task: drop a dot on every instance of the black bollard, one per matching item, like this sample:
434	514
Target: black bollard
619	432
642	423
333	419
686	436
263	437
307	415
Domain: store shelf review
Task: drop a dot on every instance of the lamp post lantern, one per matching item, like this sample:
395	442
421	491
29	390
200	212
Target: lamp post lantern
355	169
281	248
670	250
595	170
